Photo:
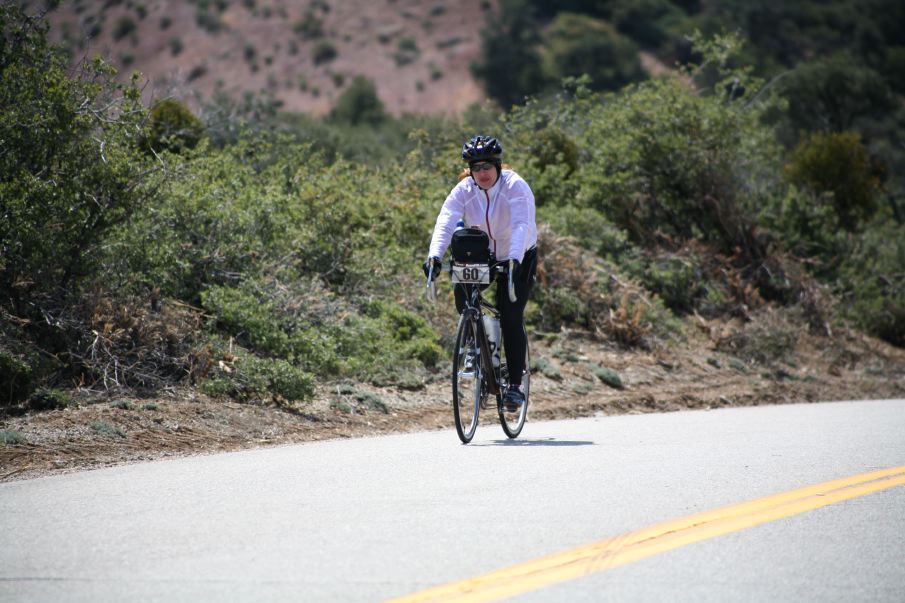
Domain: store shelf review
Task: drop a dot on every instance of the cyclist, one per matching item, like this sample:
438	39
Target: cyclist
493	198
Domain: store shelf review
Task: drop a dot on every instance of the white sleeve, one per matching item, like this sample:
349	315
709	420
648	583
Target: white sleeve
452	211
520	201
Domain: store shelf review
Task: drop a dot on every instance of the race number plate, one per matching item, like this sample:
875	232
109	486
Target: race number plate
472	274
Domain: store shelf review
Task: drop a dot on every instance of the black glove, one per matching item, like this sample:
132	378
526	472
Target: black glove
431	268
515	268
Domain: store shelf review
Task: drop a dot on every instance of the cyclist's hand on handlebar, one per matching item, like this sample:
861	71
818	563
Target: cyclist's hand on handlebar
431	268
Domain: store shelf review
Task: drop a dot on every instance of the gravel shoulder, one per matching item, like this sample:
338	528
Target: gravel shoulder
103	429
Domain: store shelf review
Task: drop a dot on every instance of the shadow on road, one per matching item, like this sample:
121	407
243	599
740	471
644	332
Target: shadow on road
537	442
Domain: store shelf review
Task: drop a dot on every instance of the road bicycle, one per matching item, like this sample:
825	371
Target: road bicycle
475	376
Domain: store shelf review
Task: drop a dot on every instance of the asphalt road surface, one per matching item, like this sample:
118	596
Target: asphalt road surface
378	518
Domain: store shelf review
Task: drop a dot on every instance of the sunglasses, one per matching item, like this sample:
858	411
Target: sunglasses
480	167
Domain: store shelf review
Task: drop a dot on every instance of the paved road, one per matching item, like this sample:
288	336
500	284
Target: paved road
382	517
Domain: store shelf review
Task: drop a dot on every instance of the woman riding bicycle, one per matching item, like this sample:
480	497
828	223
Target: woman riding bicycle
498	201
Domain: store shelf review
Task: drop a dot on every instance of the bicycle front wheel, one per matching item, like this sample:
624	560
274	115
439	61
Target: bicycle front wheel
512	422
467	381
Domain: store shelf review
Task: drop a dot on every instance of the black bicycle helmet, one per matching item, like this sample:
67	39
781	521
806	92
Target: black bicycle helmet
482	148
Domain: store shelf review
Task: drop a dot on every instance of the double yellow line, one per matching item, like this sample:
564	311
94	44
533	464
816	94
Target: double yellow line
632	546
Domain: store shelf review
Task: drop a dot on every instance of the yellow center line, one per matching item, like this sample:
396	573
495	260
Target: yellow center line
632	546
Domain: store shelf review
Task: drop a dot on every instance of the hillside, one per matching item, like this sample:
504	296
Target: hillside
171	285
302	54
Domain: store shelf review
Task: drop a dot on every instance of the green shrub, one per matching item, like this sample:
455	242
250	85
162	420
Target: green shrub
173	127
16	378
252	378
359	104
510	64
546	368
124	27
579	288
808	226
12	438
406	52
607	375
580	45
310	27
667	161
551	146
872	282
49	399
837	165
71	171
832	94
324	52
769	338
590	228
107	430
647	21
678	280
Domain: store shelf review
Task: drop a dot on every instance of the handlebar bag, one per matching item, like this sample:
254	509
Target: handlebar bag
470	246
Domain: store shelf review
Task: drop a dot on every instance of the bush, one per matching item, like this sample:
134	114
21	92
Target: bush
12	438
359	104
770	337
16	378
578	288
647	21
551	146
808	225
872	282
406	52
590	228
838	166
607	375
324	52
124	27
833	94
579	45
510	64
676	279
173	127
49	399
310	27
107	430
248	378
72	171
668	165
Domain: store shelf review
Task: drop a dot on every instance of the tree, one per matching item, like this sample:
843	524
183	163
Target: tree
173	127
578	45
510	65
359	104
838	164
832	94
71	168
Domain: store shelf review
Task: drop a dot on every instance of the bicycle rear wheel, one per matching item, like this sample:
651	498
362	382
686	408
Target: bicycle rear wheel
512	422
467	381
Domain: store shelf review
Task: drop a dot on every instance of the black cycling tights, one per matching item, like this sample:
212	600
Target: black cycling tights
512	315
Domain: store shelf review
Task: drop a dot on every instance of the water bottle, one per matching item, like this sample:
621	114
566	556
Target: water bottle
492	328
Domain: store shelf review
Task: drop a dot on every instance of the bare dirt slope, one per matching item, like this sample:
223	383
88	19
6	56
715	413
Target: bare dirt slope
417	53
107	430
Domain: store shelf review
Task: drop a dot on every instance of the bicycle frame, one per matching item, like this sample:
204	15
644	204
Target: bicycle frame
473	311
485	379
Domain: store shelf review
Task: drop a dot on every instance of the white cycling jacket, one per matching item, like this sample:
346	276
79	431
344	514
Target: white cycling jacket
505	212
